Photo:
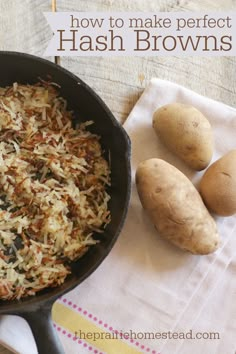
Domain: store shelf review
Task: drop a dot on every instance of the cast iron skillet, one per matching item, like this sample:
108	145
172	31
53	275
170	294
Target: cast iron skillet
24	68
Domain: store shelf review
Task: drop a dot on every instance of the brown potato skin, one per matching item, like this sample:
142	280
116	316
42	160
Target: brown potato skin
186	132
175	207
218	185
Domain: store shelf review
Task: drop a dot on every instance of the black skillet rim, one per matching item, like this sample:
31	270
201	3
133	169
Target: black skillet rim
39	300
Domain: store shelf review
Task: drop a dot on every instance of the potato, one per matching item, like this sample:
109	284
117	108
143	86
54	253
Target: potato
218	185
186	132
175	207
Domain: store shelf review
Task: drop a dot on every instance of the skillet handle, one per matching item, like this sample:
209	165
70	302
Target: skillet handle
40	322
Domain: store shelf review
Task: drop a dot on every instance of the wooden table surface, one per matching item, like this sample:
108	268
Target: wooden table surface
120	81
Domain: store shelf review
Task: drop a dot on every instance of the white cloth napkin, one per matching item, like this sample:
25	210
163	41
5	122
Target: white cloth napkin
146	284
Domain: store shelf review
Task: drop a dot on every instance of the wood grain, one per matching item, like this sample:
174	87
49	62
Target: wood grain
120	81
23	26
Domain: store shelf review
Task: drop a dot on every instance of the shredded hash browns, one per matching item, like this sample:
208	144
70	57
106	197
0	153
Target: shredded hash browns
53	196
